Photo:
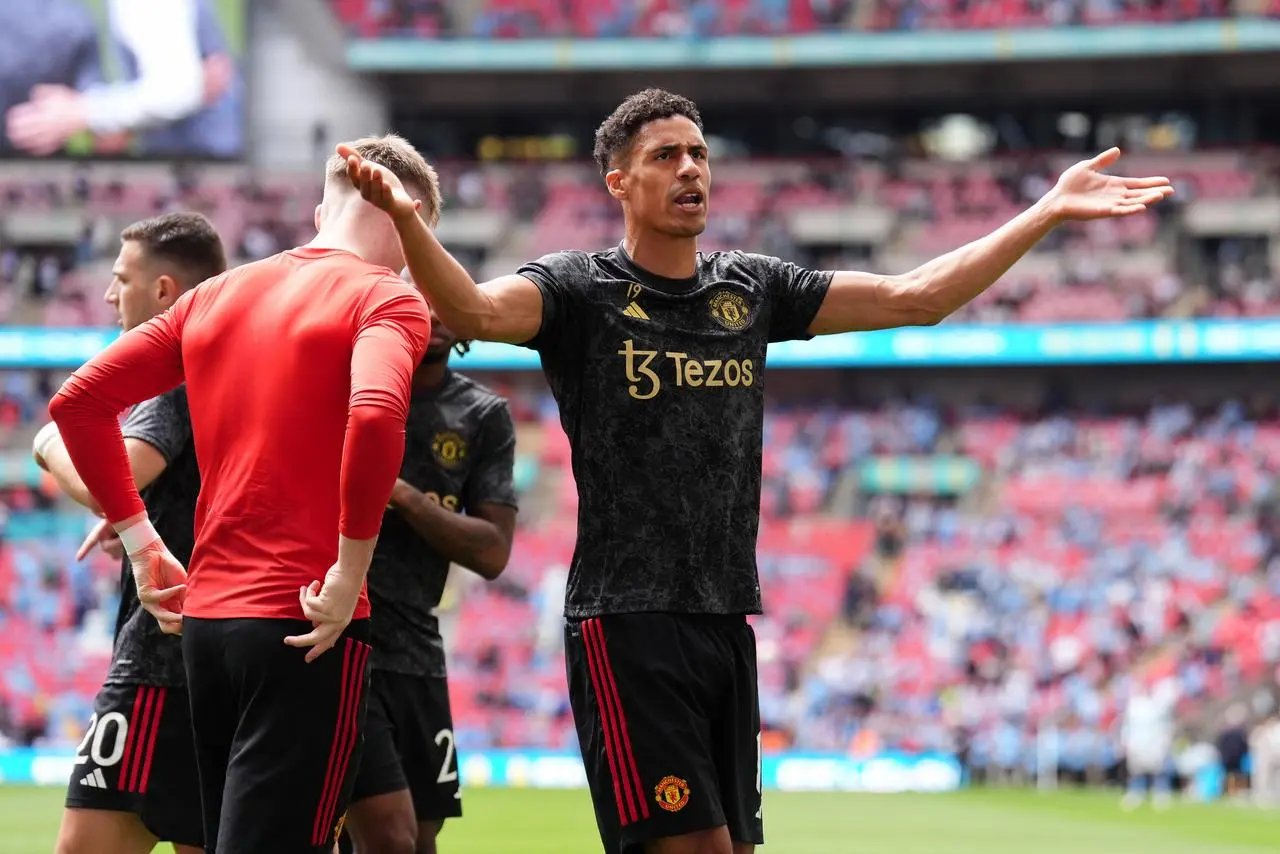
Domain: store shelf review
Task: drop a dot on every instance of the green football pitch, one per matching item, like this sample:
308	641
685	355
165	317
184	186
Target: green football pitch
970	822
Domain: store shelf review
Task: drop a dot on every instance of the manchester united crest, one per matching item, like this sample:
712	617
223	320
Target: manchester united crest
672	793
729	310
449	449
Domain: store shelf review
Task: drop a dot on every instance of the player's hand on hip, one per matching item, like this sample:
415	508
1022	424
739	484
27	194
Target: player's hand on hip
162	584
104	536
329	607
1085	192
378	185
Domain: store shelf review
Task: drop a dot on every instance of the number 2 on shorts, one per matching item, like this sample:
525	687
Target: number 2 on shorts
447	774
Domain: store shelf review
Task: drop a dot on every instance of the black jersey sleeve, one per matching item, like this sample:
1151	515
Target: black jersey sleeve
492	479
561	277
163	422
795	295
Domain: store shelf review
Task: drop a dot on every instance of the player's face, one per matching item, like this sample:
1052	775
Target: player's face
138	292
667	182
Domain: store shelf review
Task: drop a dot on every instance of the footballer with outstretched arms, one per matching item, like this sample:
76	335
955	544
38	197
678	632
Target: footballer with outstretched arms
655	354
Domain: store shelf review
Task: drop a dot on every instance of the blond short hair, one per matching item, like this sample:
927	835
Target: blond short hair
404	161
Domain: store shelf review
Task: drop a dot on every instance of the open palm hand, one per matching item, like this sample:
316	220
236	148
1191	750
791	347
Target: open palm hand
1086	192
378	185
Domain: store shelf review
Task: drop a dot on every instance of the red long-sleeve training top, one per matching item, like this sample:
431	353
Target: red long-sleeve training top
298	372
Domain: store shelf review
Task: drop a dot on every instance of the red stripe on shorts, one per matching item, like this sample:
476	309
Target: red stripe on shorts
352	732
140	745
134	720
612	686
626	782
152	733
316	834
354	657
606	723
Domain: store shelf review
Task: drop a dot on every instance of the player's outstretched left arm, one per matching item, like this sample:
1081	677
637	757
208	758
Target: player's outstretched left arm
928	294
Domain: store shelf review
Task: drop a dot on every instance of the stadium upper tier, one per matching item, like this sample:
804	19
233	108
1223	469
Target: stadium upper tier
1211	252
674	18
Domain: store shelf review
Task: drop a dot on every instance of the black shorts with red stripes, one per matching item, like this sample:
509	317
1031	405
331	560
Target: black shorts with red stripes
278	739
137	756
668	717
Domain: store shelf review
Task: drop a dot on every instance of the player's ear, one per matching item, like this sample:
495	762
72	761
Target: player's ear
615	180
167	290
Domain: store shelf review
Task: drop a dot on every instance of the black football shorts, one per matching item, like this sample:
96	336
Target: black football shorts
138	756
668	718
408	744
278	739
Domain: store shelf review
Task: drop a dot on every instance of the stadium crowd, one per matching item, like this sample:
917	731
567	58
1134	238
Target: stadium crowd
1030	589
1089	556
506	19
1106	554
875	214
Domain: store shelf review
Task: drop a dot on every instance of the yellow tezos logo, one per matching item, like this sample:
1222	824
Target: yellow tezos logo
645	382
672	793
449	449
729	310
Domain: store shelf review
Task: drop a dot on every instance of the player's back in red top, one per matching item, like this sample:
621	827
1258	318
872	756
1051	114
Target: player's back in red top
298	372
267	349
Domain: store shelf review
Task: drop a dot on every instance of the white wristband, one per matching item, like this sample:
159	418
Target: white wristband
47	434
138	536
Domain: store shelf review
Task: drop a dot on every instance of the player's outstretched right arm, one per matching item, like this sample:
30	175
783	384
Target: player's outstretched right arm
507	309
859	301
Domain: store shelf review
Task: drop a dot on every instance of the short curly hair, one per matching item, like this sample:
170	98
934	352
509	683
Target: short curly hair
616	134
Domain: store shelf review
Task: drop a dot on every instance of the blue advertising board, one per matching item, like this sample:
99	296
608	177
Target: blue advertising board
947	345
539	769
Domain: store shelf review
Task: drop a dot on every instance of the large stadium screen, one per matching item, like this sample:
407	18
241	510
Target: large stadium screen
122	78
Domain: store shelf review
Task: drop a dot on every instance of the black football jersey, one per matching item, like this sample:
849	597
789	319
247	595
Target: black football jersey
660	384
460	452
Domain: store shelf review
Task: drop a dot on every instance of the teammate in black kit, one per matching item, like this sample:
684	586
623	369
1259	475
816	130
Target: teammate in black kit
454	503
655	355
135	779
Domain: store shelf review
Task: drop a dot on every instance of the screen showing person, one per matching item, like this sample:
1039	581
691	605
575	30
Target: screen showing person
122	78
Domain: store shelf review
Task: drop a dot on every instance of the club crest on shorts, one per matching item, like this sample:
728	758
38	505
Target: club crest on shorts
449	449
672	793
337	831
729	310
